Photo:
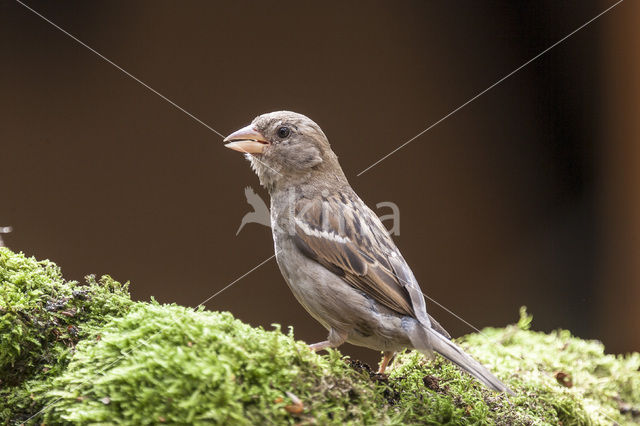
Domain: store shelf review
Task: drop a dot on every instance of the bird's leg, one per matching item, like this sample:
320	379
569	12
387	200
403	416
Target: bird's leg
320	345
387	358
335	339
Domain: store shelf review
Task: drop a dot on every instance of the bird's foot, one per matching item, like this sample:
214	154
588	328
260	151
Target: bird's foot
386	360
336	338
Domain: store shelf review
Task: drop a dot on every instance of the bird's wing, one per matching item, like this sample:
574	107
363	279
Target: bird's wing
341	233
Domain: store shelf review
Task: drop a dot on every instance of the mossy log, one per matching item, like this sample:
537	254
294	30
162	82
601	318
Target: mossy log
85	353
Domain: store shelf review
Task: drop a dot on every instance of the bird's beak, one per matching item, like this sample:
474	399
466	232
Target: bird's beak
247	140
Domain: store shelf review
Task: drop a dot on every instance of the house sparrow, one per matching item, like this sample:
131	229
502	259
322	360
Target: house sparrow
333	251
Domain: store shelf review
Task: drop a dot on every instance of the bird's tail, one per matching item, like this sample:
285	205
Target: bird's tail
432	340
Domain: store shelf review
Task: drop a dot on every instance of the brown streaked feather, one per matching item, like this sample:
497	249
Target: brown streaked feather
341	233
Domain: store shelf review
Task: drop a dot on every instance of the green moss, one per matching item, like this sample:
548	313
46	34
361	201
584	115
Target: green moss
563	374
558	379
145	363
173	364
42	317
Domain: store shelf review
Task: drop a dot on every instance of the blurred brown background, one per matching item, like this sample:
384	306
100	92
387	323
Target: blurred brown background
528	196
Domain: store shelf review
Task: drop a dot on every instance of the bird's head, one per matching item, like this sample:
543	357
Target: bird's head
286	148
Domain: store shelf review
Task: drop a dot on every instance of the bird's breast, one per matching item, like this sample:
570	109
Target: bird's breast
334	303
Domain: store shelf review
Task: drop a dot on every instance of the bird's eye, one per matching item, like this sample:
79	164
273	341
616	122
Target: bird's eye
283	132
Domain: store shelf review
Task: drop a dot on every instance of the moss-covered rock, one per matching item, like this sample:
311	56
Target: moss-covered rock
145	363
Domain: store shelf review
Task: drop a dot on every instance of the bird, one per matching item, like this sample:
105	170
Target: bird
260	213
333	251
